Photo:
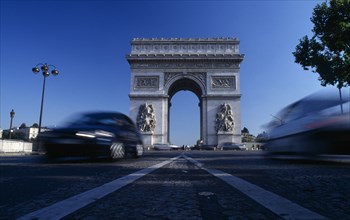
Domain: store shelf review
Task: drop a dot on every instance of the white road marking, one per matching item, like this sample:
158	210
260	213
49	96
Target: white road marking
275	203
72	204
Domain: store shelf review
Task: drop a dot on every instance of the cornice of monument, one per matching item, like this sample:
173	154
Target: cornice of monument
147	95
132	57
184	47
184	63
221	96
195	40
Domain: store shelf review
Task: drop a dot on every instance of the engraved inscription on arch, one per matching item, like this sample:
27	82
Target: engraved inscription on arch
146	82
223	82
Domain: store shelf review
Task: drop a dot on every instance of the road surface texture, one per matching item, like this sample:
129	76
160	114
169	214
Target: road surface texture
174	185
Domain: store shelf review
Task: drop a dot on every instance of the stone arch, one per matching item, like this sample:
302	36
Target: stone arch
208	67
185	82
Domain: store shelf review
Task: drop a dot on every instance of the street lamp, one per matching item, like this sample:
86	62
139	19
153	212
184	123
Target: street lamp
45	68
12	115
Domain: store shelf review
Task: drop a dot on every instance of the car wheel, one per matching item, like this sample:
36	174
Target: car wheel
117	151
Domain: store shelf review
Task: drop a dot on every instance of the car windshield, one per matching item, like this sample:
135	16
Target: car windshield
323	103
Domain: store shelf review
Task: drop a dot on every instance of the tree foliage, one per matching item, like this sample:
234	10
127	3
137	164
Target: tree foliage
245	130
248	138
327	52
262	137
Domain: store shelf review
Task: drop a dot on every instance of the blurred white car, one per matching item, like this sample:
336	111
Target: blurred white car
231	146
161	146
312	125
175	147
166	147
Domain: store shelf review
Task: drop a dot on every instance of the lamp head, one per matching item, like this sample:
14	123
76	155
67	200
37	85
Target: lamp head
12	113
44	68
54	72
36	70
46	73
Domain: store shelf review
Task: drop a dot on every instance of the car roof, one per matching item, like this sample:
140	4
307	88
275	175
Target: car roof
108	114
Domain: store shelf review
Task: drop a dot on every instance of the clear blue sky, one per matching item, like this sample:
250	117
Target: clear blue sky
88	40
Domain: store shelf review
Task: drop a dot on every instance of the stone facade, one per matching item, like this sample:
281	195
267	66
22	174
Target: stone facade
209	67
15	146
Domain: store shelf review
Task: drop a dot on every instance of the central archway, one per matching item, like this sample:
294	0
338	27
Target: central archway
184	84
208	67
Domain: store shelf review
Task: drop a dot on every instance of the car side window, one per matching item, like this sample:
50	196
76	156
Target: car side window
108	121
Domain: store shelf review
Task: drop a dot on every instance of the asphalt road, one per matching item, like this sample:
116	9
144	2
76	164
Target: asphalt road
174	185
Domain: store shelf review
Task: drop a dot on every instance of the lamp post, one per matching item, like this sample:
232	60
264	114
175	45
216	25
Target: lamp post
12	115
45	68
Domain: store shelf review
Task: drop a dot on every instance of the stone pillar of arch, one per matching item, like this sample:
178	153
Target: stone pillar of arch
208	67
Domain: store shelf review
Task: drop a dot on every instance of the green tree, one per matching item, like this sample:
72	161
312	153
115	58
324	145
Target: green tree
327	52
245	131
35	125
248	138
262	137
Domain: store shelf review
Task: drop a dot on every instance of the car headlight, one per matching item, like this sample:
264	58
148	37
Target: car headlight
94	134
85	134
101	133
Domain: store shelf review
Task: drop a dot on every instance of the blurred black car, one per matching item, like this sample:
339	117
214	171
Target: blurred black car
110	134
313	125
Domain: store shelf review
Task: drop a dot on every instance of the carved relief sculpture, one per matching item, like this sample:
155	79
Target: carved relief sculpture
146	82
224	118
223	82
146	118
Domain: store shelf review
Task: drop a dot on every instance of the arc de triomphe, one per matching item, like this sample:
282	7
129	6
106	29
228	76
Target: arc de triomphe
209	67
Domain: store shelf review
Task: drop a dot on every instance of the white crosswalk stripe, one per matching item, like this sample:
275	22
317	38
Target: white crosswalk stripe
275	203
72	204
